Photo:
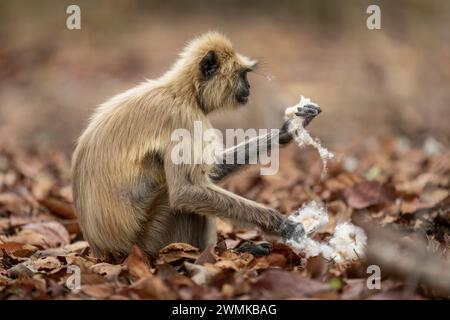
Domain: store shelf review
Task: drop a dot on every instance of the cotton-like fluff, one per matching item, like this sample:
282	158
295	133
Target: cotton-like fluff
313	248
310	247
348	242
302	136
312	215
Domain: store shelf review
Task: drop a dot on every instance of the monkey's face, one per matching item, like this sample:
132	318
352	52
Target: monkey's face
243	87
224	81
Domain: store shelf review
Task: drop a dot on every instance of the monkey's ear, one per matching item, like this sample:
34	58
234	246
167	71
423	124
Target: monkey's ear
209	64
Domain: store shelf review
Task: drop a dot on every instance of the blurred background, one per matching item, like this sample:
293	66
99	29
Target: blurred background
370	83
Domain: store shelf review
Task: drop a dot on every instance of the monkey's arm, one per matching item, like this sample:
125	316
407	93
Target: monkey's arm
259	145
205	198
249	150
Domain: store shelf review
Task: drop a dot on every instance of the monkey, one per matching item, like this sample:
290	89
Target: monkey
127	190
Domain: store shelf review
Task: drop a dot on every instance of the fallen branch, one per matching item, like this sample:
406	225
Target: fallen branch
408	259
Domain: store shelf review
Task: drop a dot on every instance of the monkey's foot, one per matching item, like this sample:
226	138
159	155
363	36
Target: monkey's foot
260	248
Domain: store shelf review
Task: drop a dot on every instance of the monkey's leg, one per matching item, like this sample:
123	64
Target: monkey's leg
168	226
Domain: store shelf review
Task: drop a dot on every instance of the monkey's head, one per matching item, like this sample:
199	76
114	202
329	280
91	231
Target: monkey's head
219	73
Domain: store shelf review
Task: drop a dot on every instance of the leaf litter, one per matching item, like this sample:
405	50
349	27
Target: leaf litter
40	239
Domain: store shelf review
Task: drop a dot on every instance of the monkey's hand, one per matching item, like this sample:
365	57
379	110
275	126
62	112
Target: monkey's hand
261	248
291	230
306	112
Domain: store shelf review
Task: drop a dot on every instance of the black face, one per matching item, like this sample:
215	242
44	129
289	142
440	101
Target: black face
243	90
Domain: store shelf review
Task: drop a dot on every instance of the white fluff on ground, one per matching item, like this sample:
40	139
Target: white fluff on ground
347	243
312	215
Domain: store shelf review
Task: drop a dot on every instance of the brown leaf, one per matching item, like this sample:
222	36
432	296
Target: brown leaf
48	264
227	264
77	247
198	273
109	271
355	289
138	263
18	250
59	207
292	258
281	284
276	260
14	202
177	251
150	287
19	270
232	243
31	237
206	256
368	193
223	227
72	226
186	289
31	266
99	291
11	246
53	232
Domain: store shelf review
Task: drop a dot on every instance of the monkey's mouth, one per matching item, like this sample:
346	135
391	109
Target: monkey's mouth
242	99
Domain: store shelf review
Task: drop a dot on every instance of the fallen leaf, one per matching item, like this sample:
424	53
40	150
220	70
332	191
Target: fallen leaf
281	284
58	207
198	273
109	271
206	256
11	246
368	193
137	263
53	234
177	251
98	291
77	247
150	287
355	289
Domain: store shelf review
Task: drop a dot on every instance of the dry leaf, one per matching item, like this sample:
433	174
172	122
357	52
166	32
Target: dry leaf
281	284
177	251
52	234
138	263
368	193
151	287
59	207
98	291
109	271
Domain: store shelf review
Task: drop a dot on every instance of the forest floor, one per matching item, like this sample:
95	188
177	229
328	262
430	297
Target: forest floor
386	183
